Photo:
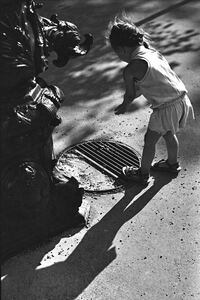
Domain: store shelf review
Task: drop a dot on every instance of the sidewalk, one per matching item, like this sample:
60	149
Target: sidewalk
140	243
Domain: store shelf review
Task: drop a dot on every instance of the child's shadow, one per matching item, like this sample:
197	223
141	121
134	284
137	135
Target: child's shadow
91	256
95	252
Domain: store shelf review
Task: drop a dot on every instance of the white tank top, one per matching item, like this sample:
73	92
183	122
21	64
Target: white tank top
160	84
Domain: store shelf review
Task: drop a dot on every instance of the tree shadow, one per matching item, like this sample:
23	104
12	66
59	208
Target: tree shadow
169	40
97	77
98	74
94	252
84	79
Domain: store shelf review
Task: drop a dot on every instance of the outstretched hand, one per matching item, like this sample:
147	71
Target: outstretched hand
121	109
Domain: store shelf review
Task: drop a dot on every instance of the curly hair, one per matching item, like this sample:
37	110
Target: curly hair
123	32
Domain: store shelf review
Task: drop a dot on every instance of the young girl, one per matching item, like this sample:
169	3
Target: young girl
148	71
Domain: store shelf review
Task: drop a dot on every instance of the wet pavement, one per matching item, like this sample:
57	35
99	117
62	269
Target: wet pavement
140	243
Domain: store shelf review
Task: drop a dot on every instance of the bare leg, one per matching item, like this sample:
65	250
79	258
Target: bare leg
172	144
150	140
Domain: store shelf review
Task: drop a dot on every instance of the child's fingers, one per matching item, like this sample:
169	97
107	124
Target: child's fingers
119	107
120	110
116	108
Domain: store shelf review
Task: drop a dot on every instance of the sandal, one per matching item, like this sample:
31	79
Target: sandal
163	165
134	174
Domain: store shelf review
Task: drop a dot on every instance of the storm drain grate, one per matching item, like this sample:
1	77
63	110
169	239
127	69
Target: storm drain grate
108	156
96	164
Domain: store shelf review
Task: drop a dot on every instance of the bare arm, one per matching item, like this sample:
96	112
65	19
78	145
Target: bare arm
134	71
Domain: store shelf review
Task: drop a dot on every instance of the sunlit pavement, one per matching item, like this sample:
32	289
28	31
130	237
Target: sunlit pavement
142	243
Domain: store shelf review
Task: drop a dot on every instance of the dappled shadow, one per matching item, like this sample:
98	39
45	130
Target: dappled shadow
168	39
94	252
92	78
97	77
99	73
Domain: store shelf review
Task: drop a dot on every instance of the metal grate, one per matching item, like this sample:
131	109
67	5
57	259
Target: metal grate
108	156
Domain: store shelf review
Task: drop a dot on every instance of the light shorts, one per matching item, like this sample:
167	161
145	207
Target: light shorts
171	116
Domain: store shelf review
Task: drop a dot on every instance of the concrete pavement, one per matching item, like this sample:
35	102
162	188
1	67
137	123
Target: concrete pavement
140	243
